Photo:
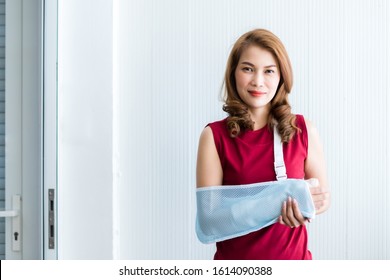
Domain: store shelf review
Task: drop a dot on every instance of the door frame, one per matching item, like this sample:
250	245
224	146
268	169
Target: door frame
50	117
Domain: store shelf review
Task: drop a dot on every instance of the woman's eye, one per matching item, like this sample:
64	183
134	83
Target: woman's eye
269	71
247	69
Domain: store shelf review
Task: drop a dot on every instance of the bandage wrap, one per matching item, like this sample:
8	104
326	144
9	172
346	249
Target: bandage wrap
225	212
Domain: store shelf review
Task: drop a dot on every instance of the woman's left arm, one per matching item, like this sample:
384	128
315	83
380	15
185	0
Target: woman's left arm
315	167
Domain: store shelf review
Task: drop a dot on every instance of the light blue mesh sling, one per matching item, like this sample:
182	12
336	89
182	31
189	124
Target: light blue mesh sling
225	212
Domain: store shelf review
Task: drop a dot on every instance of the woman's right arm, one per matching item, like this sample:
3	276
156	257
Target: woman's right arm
208	166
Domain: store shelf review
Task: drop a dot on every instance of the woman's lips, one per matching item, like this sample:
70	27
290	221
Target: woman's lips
256	93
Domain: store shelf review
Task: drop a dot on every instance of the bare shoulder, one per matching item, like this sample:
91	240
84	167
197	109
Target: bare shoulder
310	126
206	136
206	142
312	133
208	167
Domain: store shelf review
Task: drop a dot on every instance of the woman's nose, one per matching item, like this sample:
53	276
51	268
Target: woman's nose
258	80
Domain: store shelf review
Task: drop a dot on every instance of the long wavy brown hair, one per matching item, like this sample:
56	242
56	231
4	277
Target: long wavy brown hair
280	110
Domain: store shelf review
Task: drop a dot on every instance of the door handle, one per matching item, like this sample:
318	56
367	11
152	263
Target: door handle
16	225
9	213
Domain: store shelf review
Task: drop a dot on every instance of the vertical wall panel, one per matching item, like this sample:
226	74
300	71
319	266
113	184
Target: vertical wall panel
134	85
85	128
172	57
153	84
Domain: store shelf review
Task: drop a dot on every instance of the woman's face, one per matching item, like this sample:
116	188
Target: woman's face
257	78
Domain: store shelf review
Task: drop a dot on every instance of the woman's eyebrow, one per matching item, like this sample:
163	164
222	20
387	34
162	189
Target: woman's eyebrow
248	63
252	65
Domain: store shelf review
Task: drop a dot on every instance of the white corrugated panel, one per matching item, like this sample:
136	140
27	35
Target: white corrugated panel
171	60
84	145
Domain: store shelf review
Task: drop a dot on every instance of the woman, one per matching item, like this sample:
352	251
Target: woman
239	149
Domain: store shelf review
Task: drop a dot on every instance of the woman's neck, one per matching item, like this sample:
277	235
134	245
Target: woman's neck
260	117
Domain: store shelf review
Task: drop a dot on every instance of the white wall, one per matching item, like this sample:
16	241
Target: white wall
85	130
163	76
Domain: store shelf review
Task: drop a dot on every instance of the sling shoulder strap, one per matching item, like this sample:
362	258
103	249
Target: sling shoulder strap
280	167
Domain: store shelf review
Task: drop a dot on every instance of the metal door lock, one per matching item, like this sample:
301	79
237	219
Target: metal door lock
51	219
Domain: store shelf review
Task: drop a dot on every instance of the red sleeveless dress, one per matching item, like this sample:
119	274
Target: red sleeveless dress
247	159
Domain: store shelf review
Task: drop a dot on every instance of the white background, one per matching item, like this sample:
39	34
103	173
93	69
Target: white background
138	81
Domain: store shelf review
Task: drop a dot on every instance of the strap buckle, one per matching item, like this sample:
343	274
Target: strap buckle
280	170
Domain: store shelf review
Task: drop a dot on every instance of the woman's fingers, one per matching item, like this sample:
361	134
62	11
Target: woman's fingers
291	215
321	198
297	213
283	218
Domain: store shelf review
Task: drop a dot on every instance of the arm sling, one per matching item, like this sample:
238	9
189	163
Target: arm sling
225	212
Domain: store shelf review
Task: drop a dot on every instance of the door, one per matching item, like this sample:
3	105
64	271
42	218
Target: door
2	127
24	198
